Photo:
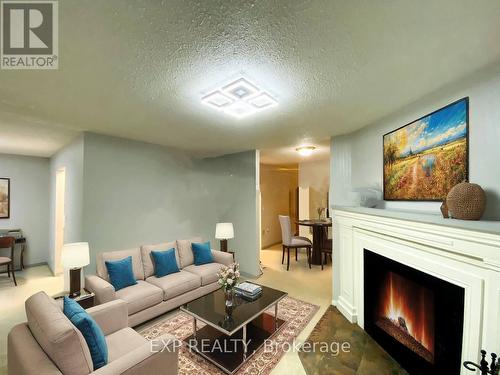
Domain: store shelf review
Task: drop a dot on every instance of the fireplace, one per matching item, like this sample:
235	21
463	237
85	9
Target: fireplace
416	317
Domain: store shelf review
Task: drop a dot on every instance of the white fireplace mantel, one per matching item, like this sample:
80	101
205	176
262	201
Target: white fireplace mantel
464	253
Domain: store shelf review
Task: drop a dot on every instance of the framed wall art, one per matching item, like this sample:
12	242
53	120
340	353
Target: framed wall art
4	198
424	159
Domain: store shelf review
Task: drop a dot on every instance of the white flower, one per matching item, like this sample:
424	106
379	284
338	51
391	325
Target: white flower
228	276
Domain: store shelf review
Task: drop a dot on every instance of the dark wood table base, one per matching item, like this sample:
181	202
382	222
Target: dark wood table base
227	352
320	234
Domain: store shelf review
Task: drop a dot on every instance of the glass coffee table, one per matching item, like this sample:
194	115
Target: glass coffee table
231	335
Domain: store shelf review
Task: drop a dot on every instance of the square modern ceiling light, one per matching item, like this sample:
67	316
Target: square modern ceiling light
263	100
240	89
217	99
239	98
239	109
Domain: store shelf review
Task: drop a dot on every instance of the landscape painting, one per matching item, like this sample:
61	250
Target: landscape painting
426	158
4	198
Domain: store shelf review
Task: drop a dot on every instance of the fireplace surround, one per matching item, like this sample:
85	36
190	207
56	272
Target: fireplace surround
463	254
417	318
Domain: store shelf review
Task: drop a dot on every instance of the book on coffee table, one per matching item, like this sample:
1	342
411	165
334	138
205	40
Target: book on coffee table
248	288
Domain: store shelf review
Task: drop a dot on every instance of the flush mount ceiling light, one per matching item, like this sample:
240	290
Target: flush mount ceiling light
263	100
240	89
217	100
305	150
239	98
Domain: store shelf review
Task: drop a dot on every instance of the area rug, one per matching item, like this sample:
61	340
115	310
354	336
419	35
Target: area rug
294	312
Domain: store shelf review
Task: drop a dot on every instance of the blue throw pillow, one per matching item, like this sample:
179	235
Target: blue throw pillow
91	332
202	253
121	273
165	262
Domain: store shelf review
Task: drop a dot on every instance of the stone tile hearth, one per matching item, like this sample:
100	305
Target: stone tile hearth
365	356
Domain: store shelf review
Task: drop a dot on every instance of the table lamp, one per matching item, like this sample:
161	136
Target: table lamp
75	256
223	232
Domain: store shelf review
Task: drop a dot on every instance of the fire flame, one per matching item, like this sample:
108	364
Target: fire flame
405	299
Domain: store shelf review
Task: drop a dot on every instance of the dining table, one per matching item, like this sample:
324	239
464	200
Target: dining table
320	235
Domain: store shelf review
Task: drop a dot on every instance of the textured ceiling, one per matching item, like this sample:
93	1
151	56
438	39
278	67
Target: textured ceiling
137	69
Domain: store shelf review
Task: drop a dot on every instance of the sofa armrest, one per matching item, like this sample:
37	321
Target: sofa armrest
158	356
110	316
104	291
222	257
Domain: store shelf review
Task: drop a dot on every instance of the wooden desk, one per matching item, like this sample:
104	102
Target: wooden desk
320	230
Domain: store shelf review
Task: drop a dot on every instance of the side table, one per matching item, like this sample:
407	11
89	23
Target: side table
86	299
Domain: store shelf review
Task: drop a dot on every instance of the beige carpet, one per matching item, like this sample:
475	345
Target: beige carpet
294	312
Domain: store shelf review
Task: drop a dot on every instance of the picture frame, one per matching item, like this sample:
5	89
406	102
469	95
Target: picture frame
425	158
4	198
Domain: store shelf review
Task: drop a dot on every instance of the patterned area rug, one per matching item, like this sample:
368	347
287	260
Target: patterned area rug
294	312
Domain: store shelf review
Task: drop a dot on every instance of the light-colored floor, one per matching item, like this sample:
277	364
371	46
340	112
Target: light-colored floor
313	286
310	285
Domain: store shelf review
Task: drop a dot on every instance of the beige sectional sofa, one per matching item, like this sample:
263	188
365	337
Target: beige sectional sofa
153	296
48	343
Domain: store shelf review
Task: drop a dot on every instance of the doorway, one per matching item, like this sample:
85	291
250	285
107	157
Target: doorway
279	189
297	186
60	219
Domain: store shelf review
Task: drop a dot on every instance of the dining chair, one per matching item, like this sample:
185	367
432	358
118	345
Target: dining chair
5	243
293	242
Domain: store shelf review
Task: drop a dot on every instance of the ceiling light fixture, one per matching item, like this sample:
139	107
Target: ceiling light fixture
239	98
305	150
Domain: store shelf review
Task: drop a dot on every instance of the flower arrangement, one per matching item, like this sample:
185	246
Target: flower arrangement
228	276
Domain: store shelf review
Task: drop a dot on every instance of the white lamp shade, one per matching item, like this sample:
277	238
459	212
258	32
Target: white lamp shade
75	255
224	231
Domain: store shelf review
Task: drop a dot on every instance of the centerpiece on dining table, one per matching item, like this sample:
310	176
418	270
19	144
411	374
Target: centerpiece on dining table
228	278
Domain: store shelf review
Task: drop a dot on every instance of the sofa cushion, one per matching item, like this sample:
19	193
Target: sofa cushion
202	253
122	342
165	262
147	261
135	253
121	273
175	284
140	296
185	252
207	272
59	339
90	330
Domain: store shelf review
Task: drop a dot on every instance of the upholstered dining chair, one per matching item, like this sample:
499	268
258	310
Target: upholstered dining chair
5	243
293	242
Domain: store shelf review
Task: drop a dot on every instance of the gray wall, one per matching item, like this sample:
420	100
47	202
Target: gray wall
228	188
357	157
70	158
138	193
29	204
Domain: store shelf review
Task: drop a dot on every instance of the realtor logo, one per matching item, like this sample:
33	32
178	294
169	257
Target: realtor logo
29	37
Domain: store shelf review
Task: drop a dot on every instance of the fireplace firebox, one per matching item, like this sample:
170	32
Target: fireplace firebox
416	317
